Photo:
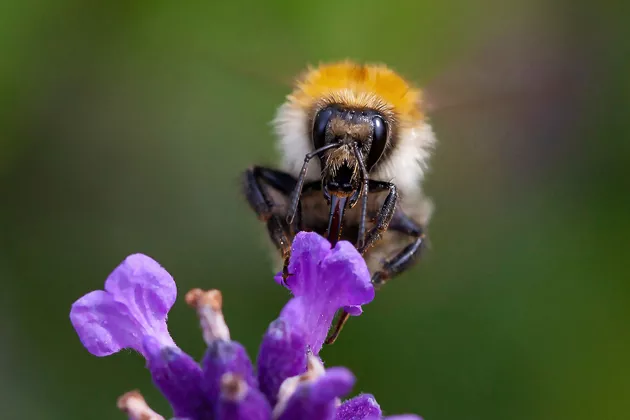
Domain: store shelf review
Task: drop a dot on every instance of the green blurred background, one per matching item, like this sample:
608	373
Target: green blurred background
124	127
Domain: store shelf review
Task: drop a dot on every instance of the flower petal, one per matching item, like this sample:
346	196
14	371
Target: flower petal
336	382
307	252
345	267
223	357
179	378
322	281
146	288
282	355
361	407
138	296
316	400
240	402
104	325
354	310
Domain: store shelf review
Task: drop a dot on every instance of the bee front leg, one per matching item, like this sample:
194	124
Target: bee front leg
408	255
279	231
384	216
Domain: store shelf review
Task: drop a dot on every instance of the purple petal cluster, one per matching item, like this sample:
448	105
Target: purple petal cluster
289	381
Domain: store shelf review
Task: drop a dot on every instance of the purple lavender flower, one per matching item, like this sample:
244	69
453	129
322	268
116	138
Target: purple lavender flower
290	381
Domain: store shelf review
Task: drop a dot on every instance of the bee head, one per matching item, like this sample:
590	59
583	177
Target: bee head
361	136
367	106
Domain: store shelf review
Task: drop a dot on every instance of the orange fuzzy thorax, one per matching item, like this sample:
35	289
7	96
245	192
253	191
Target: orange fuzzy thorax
360	86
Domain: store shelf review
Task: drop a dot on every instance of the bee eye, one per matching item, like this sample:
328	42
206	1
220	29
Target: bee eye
379	140
319	127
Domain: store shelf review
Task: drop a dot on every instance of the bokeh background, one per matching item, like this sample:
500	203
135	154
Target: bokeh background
124	127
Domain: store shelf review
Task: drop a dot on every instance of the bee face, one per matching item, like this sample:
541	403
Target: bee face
365	127
347	127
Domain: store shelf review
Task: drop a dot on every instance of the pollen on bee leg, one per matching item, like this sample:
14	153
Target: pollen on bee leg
133	404
209	309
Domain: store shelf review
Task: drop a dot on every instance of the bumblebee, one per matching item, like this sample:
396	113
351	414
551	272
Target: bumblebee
355	145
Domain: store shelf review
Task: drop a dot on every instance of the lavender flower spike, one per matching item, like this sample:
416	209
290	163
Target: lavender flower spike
291	382
324	280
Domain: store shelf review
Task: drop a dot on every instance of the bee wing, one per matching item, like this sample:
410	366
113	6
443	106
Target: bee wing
514	101
511	71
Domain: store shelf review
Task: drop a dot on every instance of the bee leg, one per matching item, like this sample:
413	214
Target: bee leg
384	216
257	195
343	318
407	256
262	204
299	183
365	185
